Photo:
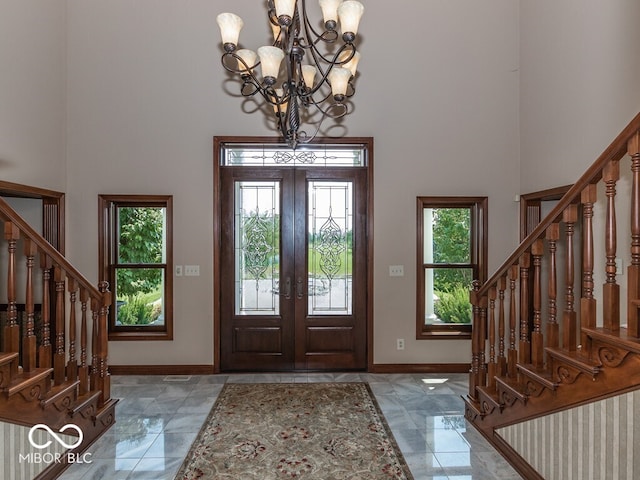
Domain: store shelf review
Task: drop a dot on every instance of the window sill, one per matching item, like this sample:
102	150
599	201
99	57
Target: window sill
443	335
140	335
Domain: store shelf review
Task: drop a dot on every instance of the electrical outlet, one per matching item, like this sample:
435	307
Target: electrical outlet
396	270
400	343
192	270
178	270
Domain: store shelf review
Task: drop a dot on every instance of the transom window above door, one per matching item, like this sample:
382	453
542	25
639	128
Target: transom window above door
329	155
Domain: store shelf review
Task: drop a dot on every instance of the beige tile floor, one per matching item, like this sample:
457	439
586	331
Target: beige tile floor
158	418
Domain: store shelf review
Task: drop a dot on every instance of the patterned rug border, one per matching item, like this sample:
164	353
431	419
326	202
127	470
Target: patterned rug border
378	411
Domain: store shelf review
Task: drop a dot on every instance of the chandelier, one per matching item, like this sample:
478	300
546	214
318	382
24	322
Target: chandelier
305	75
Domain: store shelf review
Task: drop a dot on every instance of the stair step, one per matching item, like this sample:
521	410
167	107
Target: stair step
62	396
489	400
106	414
472	409
543	377
7	367
576	360
86	405
619	338
509	391
7	357
38	377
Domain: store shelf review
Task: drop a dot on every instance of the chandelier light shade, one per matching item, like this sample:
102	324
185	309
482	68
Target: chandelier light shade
230	25
306	74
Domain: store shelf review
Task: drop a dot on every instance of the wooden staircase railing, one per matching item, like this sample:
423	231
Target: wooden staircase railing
536	324
59	277
53	360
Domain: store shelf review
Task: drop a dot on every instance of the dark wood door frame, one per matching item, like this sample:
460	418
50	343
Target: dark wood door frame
52	210
217	216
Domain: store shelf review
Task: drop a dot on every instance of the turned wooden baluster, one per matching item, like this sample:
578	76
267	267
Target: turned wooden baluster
11	338
45	351
569	327
524	347
29	346
483	336
611	290
537	339
633	289
103	382
476	345
492	339
587	302
59	356
72	363
83	370
512	358
553	331
502	360
95	306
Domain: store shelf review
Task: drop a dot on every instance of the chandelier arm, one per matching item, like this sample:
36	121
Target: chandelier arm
247	70
327	36
302	136
330	64
341	108
319	59
351	89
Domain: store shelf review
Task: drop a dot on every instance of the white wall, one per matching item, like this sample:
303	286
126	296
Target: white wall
579	84
32	92
130	94
147	94
579	89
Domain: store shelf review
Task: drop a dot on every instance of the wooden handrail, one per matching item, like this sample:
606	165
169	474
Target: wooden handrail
615	151
8	214
59	278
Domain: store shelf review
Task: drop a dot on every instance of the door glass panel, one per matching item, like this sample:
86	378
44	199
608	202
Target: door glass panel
330	248
257	248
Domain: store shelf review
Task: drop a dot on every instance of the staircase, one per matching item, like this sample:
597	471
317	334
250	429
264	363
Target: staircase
53	345
546	339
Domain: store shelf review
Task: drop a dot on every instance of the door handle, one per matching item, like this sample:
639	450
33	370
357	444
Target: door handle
299	289
287	289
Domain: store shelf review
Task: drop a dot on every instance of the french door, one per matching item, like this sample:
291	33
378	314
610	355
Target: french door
293	260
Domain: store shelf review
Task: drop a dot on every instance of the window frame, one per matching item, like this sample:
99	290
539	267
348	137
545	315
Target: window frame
479	250
107	252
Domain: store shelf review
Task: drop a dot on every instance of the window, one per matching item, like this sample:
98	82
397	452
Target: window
452	252
136	258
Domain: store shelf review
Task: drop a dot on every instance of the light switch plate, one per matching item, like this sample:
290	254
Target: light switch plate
396	270
192	270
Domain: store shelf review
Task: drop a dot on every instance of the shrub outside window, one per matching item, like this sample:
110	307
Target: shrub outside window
136	260
451	254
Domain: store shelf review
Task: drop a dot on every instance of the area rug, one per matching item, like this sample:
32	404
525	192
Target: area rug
323	431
